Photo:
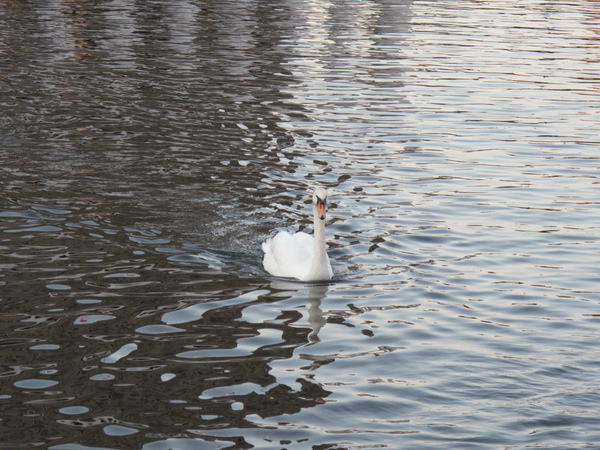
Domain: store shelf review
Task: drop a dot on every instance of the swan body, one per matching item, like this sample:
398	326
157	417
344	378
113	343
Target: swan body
301	255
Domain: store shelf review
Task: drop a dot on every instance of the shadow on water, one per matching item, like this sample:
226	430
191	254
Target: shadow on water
130	130
122	336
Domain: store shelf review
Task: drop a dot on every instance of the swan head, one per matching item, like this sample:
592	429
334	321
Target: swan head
320	202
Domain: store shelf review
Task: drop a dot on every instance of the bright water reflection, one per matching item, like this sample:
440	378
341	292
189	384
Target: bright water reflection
147	149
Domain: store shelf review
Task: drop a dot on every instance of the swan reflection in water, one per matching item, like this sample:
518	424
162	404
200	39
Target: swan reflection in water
316	318
315	293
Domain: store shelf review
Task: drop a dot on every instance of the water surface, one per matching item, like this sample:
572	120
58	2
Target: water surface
147	149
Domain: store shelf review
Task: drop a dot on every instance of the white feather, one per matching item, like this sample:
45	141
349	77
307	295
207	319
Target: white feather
293	255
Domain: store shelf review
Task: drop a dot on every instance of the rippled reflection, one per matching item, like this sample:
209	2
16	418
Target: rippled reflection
146	149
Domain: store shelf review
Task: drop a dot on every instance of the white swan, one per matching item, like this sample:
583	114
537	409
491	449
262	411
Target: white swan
299	255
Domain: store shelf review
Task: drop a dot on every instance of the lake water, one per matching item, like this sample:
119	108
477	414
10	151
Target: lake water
148	148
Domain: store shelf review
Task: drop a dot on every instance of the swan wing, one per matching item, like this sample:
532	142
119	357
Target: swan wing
288	255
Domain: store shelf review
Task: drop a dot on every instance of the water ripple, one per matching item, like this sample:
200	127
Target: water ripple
147	150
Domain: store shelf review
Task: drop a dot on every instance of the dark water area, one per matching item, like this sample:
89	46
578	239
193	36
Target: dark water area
148	148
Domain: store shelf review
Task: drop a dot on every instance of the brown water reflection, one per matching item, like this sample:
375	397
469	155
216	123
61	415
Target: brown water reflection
129	115
125	336
159	110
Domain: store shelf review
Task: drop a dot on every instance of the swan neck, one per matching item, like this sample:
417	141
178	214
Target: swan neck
319	230
320	264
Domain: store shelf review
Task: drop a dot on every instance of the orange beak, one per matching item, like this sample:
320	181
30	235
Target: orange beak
321	209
